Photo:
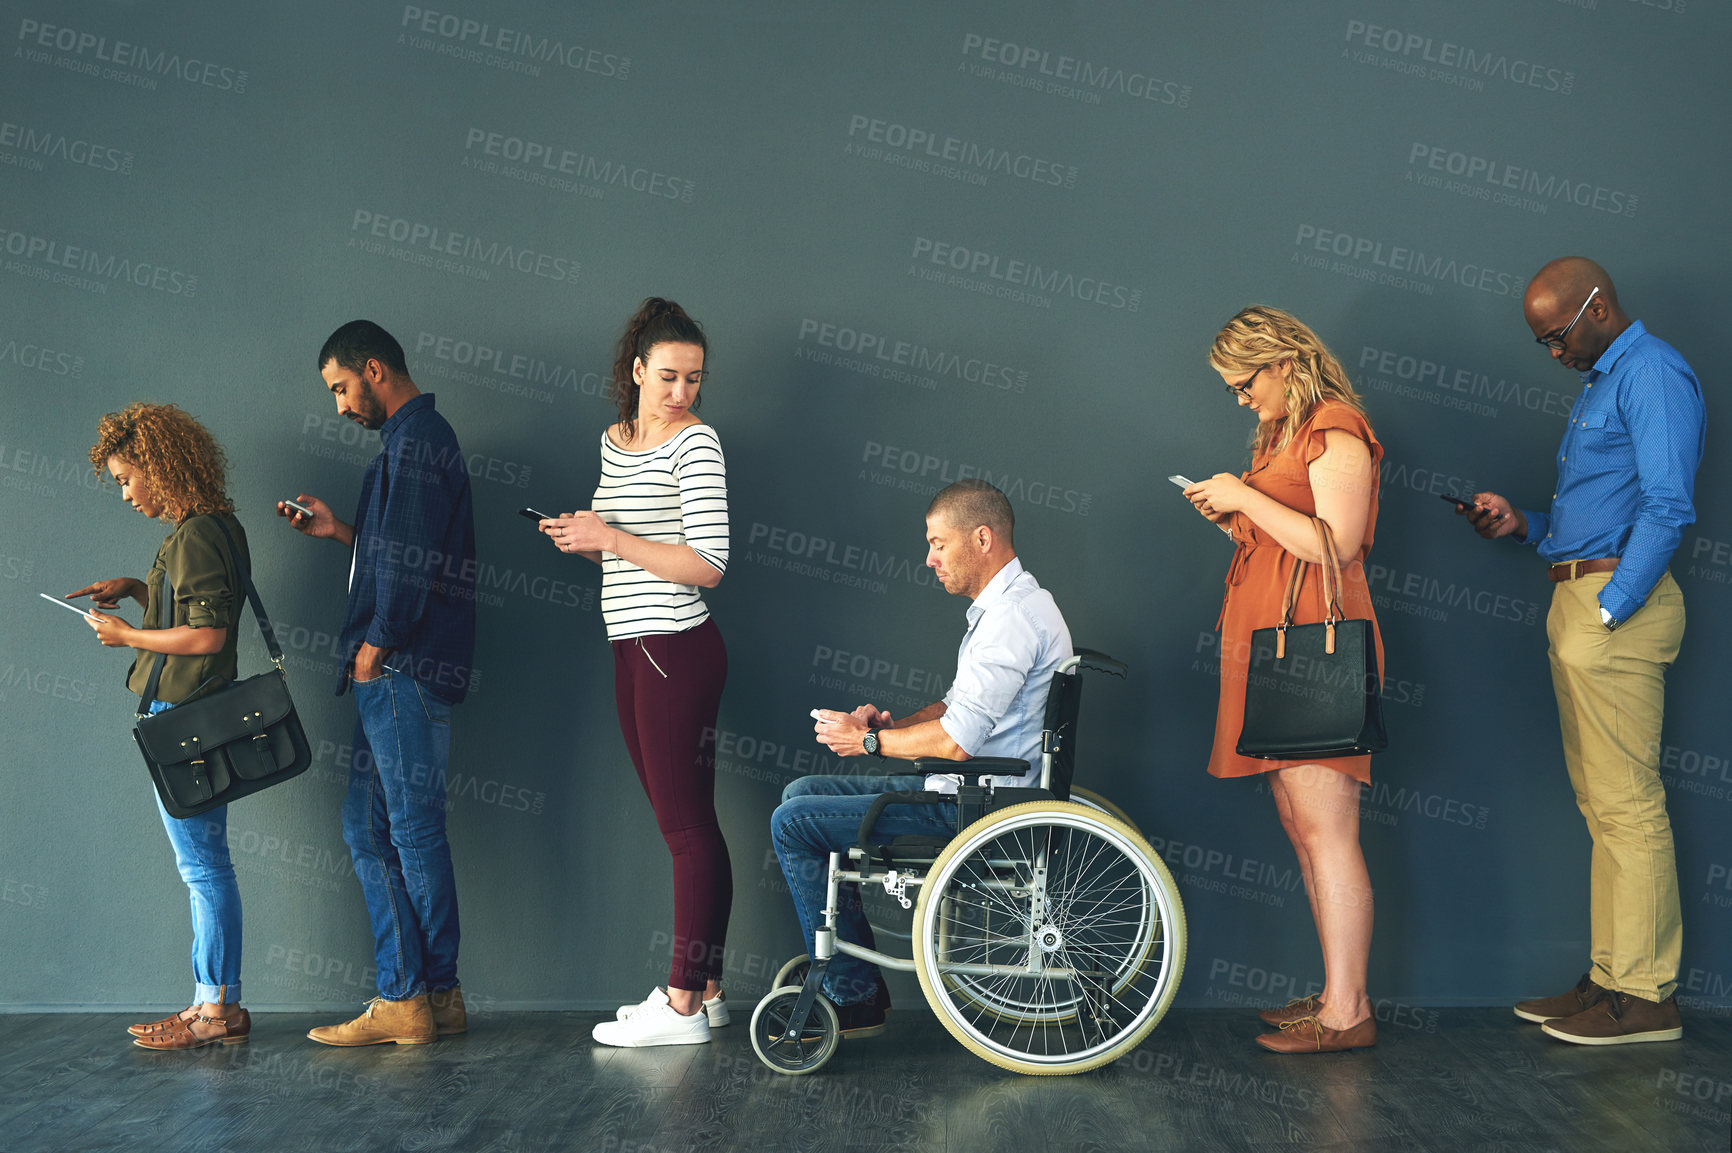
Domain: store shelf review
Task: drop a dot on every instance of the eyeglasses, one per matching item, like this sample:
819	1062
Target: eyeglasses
1242	390
1557	342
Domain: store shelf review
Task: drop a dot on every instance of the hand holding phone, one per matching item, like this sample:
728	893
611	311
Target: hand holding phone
534	514
300	508
1181	481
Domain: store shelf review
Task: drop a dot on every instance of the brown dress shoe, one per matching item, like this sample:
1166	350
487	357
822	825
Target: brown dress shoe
1620	1019
449	1015
166	1023
1292	1010
407	1022
1543	1009
1309	1035
236	1028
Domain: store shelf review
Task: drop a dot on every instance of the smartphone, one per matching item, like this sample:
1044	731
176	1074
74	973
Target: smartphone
66	605
1461	502
1181	481
300	508
532	514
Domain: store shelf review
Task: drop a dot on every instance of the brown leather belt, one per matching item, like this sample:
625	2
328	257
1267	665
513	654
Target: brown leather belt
1571	569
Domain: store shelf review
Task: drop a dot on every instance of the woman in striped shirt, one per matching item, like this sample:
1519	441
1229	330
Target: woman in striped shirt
659	529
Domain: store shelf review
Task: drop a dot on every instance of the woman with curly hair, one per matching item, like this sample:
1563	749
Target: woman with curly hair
170	468
1314	455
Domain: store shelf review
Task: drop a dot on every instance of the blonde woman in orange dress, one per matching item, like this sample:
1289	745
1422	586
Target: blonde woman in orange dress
1314	455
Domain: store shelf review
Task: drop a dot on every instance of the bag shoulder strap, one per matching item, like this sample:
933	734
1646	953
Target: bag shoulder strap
1329	570
167	605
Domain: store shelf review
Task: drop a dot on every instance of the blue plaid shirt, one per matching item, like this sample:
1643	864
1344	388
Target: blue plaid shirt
1627	468
413	586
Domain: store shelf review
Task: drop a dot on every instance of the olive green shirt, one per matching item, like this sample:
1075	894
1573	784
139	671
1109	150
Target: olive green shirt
208	594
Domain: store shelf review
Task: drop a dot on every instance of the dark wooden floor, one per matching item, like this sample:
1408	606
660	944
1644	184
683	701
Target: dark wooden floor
1464	1081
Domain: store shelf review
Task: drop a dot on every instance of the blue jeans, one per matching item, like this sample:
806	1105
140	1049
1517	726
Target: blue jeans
394	824
201	853
821	815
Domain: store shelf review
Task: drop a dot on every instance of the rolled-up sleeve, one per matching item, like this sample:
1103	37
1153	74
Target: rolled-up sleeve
987	682
198	570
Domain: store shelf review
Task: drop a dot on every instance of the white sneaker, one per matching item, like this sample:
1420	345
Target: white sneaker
716	1008
651	1024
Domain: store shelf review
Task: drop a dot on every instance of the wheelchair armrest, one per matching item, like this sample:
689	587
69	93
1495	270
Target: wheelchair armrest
974	766
1098	662
884	800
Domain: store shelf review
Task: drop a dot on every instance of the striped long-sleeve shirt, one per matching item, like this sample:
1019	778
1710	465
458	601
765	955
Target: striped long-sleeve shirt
674	493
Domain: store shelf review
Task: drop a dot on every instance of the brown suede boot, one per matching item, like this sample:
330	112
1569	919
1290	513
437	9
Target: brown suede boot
407	1022
449	1015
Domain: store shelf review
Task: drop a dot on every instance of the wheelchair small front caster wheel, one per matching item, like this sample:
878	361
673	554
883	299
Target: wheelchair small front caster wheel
809	1047
794	972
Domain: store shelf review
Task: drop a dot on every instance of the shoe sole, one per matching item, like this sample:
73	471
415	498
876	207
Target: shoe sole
451	1030
139	1041
375	1041
650	1043
1622	1039
1535	1017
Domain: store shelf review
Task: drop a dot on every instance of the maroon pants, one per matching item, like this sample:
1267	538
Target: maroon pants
668	687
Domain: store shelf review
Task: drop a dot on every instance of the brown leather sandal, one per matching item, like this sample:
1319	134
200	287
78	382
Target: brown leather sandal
236	1029
150	1027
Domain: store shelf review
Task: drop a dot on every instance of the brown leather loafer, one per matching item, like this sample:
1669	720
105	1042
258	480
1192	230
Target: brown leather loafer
235	1029
1620	1019
166	1023
1309	1035
1292	1010
1543	1009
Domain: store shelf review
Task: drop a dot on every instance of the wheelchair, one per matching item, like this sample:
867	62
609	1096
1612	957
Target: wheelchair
1047	935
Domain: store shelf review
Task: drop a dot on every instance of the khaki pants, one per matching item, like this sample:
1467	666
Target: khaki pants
1611	688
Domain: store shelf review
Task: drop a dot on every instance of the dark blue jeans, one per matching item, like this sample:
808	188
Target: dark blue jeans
394	823
821	815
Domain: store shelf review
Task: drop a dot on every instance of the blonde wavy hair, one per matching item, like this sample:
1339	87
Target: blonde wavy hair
1260	336
183	462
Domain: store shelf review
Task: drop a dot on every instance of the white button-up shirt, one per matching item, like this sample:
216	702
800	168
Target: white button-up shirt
1016	640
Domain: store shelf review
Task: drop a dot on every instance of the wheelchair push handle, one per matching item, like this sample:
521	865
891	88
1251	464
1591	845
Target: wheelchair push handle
1095	661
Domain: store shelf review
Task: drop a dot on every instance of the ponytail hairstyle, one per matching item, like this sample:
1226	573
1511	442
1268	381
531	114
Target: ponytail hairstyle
1260	336
656	321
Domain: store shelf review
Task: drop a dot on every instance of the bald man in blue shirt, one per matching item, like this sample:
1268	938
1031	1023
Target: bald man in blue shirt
1626	481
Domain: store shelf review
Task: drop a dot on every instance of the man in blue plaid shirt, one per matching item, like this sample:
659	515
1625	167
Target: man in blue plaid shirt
410	630
1625	491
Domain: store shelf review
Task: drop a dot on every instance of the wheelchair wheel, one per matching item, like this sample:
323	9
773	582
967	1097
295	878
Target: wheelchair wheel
1049	938
1093	800
794	972
806	1053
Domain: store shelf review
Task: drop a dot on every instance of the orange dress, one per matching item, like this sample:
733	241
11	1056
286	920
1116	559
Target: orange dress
1257	580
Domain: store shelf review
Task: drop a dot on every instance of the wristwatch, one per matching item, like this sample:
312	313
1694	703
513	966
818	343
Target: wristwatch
869	742
1611	622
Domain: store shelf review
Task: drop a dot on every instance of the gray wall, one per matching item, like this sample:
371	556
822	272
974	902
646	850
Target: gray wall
927	240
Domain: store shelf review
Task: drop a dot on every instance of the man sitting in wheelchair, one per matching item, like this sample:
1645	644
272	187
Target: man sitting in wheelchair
1015	641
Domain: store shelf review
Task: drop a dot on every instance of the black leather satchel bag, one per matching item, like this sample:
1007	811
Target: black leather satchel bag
239	739
1313	691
